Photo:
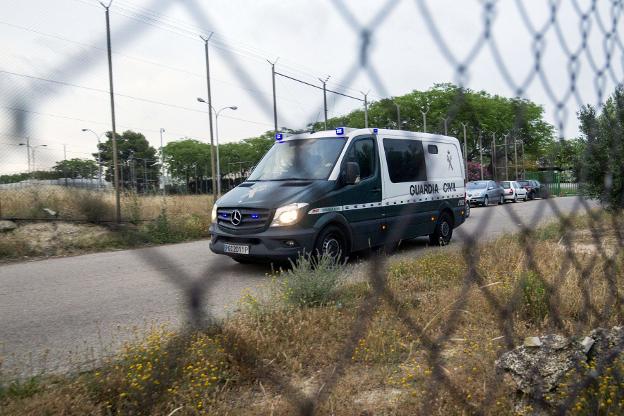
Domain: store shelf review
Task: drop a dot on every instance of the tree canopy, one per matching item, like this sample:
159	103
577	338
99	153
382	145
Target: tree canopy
76	168
602	164
138	162
483	113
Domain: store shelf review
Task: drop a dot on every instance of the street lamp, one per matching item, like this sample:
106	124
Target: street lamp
232	107
99	158
31	150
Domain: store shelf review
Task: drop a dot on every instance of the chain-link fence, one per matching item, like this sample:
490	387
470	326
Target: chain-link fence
591	53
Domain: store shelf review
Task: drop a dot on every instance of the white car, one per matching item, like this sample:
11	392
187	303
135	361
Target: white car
513	191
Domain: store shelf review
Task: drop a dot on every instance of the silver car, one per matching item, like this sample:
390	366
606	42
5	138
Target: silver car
484	193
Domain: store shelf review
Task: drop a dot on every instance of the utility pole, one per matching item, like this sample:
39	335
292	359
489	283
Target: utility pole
274	96
481	154
523	167
494	173
324	81
445	119
28	153
506	158
398	108
424	114
162	163
516	157
209	102
465	151
112	101
365	110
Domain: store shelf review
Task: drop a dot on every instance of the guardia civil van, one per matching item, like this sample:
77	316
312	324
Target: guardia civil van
341	191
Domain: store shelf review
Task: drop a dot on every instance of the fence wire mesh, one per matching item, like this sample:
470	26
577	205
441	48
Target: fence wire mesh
578	54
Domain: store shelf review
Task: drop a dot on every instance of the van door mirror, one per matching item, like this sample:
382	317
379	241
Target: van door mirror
352	173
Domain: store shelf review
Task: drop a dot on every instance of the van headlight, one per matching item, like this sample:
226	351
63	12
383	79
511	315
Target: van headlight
288	214
213	216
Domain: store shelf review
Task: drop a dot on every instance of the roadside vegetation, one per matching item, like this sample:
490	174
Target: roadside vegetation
330	335
75	221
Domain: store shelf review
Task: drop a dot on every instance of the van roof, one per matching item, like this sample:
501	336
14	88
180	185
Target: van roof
351	132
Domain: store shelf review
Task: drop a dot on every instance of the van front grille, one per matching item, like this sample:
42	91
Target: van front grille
242	219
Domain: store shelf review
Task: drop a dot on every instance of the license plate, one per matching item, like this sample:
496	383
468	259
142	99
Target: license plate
235	248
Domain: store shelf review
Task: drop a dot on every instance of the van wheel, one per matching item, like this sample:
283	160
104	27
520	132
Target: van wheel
501	200
443	232
332	242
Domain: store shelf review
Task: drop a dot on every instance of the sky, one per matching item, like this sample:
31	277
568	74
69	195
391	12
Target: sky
54	70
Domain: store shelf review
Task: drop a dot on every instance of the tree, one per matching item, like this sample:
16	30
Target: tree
138	162
186	159
76	168
241	156
602	164
482	112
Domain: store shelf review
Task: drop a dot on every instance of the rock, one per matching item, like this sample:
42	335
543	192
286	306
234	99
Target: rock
532	342
6	226
605	340
587	343
50	212
537	369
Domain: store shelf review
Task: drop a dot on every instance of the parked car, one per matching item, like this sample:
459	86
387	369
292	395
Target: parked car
533	188
513	191
484	192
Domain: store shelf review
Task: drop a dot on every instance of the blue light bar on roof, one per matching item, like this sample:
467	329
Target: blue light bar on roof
279	136
375	130
340	131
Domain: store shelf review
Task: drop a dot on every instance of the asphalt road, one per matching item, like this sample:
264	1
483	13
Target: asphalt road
59	312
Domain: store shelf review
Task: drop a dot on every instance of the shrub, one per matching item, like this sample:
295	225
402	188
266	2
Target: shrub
92	206
534	297
311	281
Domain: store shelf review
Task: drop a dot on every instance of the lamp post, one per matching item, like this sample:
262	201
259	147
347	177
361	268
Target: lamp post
33	148
99	157
211	108
30	152
233	107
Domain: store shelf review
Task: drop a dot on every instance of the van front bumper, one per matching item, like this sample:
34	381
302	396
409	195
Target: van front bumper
278	243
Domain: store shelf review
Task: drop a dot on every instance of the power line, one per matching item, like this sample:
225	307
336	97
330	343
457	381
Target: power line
132	97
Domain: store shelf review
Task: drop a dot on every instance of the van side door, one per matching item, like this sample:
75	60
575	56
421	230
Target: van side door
361	202
408	198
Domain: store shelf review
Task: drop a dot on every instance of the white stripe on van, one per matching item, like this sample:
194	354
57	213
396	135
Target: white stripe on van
387	202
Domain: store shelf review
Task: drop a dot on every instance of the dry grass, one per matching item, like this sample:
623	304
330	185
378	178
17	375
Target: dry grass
443	323
153	220
85	205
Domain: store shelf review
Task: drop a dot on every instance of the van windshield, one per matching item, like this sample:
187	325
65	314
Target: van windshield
299	159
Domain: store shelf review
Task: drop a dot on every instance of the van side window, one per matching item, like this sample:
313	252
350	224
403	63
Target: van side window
433	149
363	153
406	160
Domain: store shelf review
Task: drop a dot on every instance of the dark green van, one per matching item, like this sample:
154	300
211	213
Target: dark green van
341	191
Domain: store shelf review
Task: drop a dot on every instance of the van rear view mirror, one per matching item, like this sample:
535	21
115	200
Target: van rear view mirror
352	173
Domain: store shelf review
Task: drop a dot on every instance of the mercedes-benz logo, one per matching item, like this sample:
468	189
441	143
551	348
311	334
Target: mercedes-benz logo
236	218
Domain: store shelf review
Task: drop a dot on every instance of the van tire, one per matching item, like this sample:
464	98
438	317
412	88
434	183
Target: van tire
331	240
443	231
501	200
